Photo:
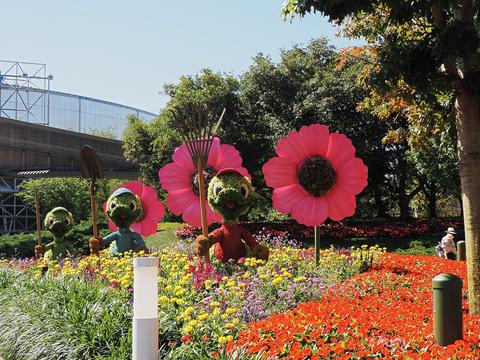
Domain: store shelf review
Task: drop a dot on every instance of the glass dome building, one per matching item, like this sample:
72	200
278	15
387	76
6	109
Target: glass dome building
66	111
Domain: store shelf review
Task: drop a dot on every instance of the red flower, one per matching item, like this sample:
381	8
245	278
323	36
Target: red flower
385	312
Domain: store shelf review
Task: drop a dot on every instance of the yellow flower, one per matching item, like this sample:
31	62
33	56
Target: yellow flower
187	329
222	340
230	310
203	317
214	304
216	311
193	323
189	310
277	281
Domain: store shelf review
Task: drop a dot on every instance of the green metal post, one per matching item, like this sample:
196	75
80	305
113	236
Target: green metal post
447	309
461	254
316	232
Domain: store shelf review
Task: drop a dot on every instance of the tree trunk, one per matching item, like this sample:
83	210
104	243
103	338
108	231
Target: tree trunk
468	130
403	199
432	199
381	210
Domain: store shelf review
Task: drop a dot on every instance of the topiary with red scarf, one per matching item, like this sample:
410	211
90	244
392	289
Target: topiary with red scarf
230	194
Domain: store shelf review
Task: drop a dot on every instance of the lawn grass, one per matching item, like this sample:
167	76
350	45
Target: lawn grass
164	237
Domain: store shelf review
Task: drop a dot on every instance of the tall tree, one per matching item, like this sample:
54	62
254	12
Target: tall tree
441	53
305	87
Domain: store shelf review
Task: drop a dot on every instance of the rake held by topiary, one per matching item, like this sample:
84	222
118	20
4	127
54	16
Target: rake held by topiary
91	167
197	125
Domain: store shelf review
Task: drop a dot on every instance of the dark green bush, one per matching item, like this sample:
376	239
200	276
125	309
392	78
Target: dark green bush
22	245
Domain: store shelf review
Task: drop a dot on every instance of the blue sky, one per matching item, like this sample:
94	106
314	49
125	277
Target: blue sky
124	50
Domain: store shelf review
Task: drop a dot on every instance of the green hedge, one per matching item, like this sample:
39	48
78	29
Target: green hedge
22	245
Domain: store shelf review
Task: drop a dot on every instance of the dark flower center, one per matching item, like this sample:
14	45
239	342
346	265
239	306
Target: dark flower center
316	175
208	174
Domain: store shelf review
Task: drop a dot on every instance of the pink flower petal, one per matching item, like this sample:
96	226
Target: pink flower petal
175	177
280	172
182	157
311	211
179	200
352	176
214	151
315	138
341	204
228	157
218	217
212	216
148	194
134	186
112	226
340	150
293	147
244	172
137	227
191	215
285	198
155	210
147	227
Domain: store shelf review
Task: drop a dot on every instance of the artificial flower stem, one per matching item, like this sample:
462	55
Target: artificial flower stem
93	203
316	232
37	218
203	208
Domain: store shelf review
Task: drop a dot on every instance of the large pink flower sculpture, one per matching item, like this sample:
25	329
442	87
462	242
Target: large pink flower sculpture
316	175
153	209
179	178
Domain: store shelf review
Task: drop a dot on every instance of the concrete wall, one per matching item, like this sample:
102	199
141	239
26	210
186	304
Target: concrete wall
25	146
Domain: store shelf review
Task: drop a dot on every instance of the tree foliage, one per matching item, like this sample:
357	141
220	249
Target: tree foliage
434	47
71	193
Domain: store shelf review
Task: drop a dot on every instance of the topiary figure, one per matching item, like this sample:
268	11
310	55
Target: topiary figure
124	208
58	221
230	194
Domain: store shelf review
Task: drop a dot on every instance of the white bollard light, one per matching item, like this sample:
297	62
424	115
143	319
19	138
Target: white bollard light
145	308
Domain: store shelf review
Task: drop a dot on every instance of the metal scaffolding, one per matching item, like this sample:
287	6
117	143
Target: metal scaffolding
25	91
15	215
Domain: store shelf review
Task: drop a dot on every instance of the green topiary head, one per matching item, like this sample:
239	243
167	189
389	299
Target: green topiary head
230	194
58	221
124	208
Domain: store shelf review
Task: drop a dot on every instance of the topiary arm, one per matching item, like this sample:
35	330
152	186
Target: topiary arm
70	249
107	240
139	242
248	238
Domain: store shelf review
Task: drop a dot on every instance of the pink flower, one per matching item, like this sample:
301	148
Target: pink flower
316	175
153	209
179	179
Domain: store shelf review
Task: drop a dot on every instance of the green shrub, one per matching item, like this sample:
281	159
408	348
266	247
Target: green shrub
71	193
417	247
22	245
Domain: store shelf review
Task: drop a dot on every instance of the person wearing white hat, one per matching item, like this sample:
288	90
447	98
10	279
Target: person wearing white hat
448	244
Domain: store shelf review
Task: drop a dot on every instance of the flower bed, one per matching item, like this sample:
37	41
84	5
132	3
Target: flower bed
202	308
337	230
385	312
